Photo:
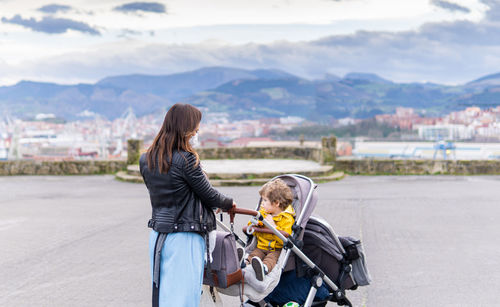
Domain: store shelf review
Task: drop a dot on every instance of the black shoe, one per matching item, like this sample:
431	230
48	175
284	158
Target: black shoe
258	267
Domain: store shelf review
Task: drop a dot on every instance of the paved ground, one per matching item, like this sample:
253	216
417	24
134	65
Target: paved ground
82	241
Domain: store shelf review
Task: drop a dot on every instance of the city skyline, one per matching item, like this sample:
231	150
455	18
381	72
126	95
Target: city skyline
404	134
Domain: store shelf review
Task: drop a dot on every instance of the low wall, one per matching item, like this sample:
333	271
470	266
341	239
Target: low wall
350	166
90	167
303	153
418	167
27	167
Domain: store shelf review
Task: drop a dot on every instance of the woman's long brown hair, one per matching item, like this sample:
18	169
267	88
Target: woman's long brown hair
181	120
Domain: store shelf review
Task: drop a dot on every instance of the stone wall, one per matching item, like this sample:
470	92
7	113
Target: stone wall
418	167
134	151
322	155
328	150
28	167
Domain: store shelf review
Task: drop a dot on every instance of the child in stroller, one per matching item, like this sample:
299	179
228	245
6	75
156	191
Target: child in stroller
315	265
276	208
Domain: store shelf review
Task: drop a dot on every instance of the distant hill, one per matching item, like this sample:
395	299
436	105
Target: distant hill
320	99
113	95
26	99
247	94
178	86
484	82
373	78
487	98
331	77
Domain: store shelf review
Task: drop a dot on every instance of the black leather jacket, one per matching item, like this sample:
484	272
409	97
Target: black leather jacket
182	199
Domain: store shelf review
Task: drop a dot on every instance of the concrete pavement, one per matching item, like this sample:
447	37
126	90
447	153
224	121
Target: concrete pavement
82	240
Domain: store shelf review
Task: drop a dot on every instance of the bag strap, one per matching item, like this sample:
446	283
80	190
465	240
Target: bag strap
160	241
212	292
208	266
242	289
207	247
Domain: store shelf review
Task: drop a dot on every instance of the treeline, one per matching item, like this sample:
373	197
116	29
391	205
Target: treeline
368	128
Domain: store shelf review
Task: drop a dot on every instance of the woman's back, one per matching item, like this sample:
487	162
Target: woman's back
167	188
182	200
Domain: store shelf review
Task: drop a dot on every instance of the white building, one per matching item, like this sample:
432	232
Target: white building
444	132
425	150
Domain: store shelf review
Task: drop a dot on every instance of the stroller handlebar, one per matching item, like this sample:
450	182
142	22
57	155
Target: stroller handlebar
236	210
266	230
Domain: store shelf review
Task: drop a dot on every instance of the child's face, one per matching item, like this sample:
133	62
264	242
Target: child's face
269	207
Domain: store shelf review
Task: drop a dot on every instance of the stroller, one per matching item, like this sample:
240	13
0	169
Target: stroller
315	265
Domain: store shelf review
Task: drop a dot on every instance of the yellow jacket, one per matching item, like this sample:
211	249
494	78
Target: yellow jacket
283	221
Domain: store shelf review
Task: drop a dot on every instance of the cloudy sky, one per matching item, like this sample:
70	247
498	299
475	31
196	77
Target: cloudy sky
70	41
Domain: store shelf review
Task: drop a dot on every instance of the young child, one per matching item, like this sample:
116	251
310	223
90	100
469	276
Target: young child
276	208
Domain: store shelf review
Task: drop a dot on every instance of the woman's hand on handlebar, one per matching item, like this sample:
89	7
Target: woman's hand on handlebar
231	210
219	210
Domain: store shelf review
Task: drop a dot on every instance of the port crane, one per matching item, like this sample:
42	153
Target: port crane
446	148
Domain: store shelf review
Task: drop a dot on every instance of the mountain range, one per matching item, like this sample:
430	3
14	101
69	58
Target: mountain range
247	94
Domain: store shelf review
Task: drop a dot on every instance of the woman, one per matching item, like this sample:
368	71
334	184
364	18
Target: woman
182	200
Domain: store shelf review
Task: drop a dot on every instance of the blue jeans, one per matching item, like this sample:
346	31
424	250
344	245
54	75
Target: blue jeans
181	268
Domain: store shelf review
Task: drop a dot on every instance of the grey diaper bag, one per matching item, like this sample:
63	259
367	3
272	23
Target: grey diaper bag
224	269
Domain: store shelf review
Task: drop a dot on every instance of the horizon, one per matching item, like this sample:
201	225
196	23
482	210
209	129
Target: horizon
233	67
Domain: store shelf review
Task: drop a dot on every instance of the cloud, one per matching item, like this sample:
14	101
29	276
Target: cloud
450	6
51	25
136	7
54	8
462	33
401	57
493	13
128	33
446	52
